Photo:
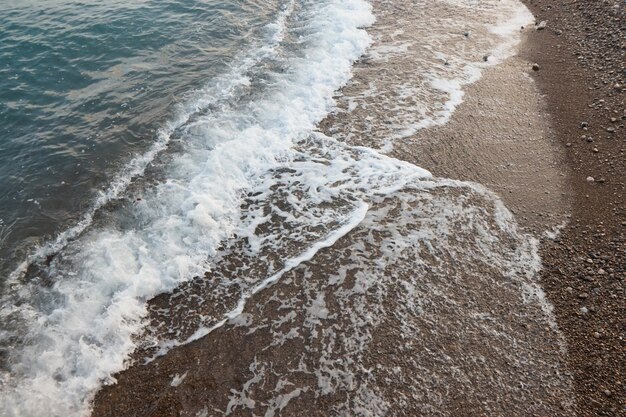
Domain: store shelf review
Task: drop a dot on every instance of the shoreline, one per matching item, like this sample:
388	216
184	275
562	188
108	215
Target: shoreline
505	165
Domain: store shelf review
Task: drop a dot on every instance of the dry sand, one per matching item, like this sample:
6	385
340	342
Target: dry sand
582	60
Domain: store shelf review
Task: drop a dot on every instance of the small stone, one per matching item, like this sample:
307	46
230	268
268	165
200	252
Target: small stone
486	58
596	335
541	25
590	179
589	139
589	260
607	392
466	34
584	125
601	271
583	296
584	310
595	150
535	67
610	129
613	119
568	144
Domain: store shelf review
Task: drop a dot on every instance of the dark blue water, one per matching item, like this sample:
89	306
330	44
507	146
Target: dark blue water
84	85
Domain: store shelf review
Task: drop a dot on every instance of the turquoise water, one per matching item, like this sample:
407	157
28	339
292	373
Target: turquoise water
84	85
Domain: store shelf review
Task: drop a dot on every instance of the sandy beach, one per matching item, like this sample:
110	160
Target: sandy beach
522	132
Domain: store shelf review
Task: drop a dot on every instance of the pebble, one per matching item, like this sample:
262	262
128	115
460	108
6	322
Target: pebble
584	310
610	129
601	271
583	296
590	179
541	25
584	124
607	392
613	119
595	150
535	67
589	261
596	335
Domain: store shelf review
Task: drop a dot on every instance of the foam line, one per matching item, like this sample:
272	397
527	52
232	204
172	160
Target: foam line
357	217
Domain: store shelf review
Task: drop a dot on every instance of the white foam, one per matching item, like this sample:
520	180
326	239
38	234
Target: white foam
281	401
509	30
290	264
178	379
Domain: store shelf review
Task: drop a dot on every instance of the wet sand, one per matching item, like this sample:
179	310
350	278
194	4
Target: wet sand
440	330
502	138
